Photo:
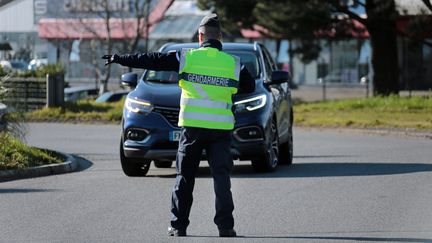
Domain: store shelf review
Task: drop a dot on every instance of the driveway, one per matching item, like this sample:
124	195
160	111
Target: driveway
342	187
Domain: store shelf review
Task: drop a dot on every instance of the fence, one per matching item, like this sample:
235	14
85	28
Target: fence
29	94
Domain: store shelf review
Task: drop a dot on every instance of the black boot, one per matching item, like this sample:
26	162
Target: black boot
227	233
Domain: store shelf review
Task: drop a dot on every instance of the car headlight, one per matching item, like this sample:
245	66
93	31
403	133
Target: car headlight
138	106
250	104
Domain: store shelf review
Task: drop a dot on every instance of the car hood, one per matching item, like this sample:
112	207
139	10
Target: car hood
159	94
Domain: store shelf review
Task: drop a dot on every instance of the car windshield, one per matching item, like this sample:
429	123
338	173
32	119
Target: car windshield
249	59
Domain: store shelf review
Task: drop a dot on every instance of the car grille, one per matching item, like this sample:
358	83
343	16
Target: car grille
170	113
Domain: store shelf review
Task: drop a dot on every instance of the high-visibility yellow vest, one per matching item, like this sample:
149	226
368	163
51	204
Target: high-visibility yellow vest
208	78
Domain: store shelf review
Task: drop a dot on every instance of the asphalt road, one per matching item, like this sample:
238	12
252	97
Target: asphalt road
342	187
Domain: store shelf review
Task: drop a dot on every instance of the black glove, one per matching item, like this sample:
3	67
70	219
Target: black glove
110	59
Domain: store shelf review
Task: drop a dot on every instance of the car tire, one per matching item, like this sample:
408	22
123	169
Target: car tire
286	149
270	159
133	167
163	164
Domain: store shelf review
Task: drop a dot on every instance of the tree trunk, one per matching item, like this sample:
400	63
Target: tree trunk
381	25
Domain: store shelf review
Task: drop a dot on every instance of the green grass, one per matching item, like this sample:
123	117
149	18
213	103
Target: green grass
377	112
82	111
16	155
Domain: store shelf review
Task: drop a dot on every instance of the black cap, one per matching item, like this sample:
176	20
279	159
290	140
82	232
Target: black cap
210	20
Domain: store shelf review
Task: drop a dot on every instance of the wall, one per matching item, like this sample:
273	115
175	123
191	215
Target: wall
17	16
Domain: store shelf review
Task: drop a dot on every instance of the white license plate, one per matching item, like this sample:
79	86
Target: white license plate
175	136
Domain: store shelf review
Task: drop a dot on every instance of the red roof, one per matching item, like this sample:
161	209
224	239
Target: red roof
359	31
255	33
95	28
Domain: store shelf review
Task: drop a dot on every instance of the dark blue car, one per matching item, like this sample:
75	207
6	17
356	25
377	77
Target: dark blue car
264	118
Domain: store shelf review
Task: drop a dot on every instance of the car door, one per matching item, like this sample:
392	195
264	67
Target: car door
281	94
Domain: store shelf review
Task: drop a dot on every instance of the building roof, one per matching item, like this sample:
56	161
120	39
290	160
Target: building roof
94	28
86	28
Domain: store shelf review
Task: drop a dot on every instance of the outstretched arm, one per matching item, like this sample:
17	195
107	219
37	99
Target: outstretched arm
150	60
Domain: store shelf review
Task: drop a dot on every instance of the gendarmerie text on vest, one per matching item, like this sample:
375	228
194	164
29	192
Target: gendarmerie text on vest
203	79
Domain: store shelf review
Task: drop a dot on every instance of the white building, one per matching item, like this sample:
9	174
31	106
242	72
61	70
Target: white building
18	26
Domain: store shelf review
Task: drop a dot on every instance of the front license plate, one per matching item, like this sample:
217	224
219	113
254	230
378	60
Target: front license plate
175	136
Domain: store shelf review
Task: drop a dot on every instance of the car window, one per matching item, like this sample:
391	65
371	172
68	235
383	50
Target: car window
267	65
161	76
269	59
249	59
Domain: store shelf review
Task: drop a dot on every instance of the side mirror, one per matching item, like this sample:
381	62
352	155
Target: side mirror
279	77
129	79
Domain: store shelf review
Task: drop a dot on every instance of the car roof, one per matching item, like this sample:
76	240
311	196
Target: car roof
225	46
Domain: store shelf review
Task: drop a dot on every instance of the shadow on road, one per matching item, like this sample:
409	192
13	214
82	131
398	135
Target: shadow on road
305	170
334	238
355	239
24	190
335	170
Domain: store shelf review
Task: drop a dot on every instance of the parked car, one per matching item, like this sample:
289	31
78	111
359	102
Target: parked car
112	96
80	93
264	118
19	65
14	65
36	63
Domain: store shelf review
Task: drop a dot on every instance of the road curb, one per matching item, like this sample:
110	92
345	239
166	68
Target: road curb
70	165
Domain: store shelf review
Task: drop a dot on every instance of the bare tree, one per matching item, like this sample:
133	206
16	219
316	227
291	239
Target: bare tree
115	19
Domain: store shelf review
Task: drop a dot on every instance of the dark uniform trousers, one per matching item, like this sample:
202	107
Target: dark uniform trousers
217	144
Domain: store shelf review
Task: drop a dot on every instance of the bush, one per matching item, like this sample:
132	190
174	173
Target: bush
13	153
12	121
81	111
2	72
16	155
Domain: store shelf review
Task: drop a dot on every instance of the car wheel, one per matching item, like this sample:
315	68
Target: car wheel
286	149
132	166
163	164
268	161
